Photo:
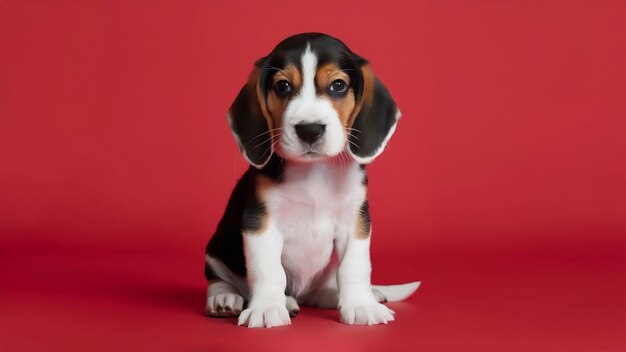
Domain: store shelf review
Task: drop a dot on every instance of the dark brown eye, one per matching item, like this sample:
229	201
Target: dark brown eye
282	88
338	87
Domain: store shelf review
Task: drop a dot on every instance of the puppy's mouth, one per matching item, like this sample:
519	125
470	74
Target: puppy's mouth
309	156
311	150
312	155
303	152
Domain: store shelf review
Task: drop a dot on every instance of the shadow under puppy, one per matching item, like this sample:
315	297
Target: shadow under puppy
296	229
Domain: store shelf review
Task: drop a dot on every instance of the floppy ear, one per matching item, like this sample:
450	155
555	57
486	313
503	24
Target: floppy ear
248	121
376	119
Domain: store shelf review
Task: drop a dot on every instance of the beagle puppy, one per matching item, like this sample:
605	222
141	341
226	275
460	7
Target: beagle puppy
297	229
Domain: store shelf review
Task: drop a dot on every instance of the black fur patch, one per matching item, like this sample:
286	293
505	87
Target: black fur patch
373	123
365	178
248	123
244	212
274	169
253	215
227	242
364	212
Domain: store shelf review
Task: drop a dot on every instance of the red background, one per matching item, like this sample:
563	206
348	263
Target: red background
504	188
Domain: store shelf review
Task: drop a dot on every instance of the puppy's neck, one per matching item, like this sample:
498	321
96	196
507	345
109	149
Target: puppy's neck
334	177
339	167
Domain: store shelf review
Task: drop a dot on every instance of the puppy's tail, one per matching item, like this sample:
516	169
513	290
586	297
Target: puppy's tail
393	293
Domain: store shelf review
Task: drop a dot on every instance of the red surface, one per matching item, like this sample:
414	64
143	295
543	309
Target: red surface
504	188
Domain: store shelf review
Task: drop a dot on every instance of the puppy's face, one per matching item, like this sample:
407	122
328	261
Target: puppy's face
310	104
312	98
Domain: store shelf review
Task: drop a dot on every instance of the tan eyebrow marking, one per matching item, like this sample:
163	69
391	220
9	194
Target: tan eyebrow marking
324	76
291	74
328	73
275	105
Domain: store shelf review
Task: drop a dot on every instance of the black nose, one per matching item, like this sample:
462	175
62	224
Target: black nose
310	132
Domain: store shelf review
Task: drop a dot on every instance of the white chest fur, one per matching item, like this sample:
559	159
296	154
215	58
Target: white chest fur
314	205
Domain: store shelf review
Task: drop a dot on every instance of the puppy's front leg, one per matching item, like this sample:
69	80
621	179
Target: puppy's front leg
266	278
357	303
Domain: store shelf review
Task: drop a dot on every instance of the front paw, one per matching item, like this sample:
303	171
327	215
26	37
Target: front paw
266	314
365	314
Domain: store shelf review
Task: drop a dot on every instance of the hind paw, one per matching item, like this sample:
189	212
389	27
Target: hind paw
292	306
224	305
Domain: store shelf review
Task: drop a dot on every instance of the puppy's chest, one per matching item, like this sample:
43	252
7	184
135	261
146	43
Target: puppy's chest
312	207
316	200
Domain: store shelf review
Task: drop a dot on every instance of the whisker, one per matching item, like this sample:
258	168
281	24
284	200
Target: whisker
266	132
346	156
268	149
354	129
351	135
260	144
340	165
354	144
267	140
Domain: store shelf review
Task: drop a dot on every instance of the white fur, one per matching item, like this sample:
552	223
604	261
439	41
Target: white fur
394	293
308	107
357	302
223	300
266	279
225	274
315	204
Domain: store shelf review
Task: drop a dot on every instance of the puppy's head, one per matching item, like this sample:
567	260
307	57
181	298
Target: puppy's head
312	98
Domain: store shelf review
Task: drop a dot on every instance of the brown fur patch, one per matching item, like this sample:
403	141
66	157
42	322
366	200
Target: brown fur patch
325	75
262	183
275	105
291	74
362	228
363	222
368	92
